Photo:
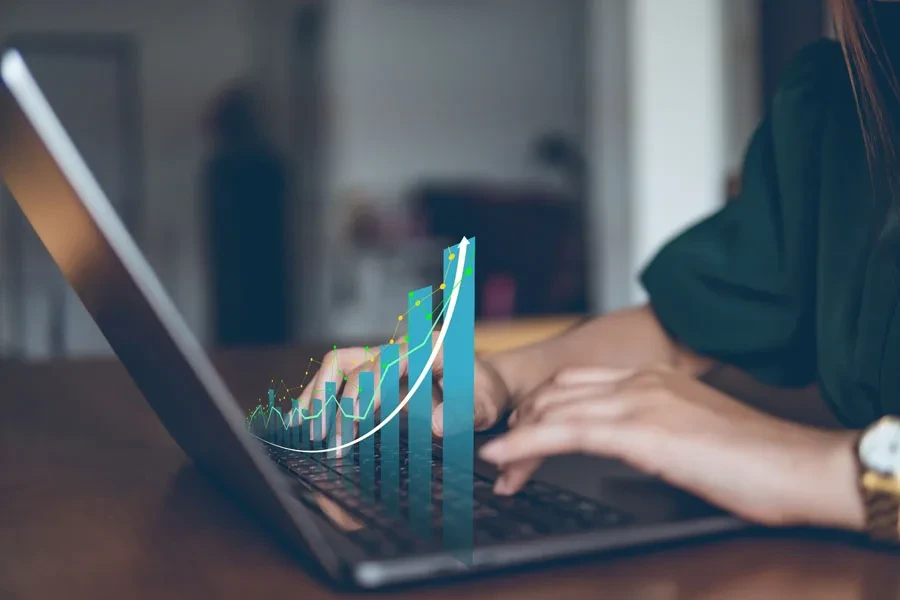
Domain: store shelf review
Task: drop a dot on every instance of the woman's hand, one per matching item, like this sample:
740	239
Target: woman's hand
671	425
492	397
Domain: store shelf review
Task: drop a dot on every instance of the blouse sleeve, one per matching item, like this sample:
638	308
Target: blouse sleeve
740	285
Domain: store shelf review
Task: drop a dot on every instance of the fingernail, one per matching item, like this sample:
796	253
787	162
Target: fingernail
513	417
492	451
501	486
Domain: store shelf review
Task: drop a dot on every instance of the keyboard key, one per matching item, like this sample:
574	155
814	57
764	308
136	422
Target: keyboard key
538	508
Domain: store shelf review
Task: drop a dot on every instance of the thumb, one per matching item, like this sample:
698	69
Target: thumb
437	420
485	415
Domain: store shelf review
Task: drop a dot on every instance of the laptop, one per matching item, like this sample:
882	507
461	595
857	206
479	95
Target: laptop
312	503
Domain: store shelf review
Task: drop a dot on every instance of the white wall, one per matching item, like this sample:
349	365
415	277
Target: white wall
450	88
188	51
667	125
447	89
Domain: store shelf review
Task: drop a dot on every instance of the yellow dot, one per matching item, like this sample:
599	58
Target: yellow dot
443	286
400	318
372	359
451	257
418	302
392	341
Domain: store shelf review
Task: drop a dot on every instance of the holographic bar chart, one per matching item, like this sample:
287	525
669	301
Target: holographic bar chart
360	443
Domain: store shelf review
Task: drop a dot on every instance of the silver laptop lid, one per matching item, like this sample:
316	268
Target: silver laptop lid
82	232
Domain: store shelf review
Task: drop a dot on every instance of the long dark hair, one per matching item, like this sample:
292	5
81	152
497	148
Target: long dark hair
858	25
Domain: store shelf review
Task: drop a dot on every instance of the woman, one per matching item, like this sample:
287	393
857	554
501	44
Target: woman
795	281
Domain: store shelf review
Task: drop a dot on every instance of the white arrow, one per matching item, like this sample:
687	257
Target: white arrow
460	268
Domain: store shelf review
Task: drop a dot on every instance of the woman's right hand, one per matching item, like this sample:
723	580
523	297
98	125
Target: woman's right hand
492	395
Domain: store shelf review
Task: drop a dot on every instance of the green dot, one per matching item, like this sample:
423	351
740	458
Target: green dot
334	347
406	339
428	316
468	271
367	348
345	379
410	294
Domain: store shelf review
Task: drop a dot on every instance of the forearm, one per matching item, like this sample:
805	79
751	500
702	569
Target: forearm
628	338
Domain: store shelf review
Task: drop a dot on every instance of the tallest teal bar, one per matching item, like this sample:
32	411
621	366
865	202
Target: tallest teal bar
459	403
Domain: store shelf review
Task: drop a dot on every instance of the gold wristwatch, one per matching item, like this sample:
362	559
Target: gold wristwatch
878	452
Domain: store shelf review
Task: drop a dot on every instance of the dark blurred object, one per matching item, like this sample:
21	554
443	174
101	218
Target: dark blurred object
558	151
246	189
529	246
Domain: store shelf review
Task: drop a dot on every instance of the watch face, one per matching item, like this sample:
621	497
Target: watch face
879	449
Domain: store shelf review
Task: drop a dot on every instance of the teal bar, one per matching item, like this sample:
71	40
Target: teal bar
305	429
258	423
270	417
347	422
330	422
315	423
390	432
278	419
459	404
419	411
366	423
295	424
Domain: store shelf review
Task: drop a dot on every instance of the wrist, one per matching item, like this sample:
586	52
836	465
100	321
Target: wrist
520	369
837	503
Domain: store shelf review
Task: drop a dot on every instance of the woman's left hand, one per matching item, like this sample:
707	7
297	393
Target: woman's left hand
668	424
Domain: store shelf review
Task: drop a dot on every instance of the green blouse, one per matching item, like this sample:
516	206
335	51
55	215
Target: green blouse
796	280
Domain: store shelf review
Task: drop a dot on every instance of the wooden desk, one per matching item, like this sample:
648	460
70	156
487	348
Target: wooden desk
96	501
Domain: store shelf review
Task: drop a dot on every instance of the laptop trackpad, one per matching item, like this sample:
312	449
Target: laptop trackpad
614	483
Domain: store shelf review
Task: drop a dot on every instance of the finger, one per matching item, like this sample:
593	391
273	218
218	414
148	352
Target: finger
552	396
549	439
486	411
330	358
592	375
365	401
405	350
613	410
515	475
331	370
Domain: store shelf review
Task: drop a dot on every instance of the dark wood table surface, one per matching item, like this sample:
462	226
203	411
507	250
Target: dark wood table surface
96	501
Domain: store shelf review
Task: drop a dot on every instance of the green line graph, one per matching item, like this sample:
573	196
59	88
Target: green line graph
261	410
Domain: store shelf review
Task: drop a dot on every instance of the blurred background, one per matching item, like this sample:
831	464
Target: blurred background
292	167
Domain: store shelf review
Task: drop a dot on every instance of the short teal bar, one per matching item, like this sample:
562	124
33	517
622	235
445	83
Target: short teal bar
347	425
295	424
270	417
315	424
305	428
330	420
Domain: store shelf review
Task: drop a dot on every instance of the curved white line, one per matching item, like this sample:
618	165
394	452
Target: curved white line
460	268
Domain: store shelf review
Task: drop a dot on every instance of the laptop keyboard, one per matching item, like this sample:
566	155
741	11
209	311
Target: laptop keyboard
537	510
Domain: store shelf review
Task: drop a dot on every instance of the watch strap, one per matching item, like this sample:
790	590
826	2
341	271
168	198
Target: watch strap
882	516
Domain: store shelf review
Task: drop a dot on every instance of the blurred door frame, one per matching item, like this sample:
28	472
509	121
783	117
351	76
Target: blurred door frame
121	52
